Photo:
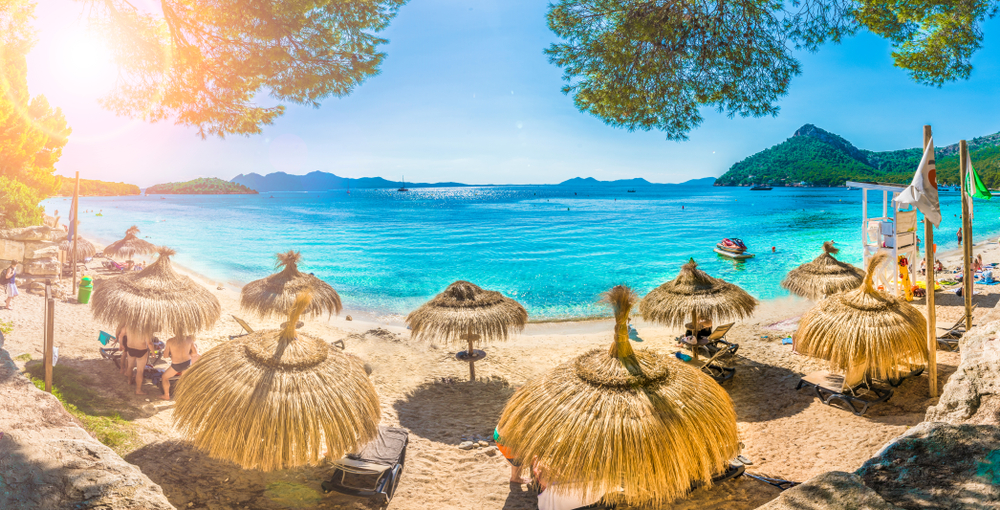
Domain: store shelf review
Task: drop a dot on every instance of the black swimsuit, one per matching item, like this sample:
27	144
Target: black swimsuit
180	367
137	353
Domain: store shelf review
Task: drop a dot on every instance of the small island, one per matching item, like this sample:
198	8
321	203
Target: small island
95	188
201	186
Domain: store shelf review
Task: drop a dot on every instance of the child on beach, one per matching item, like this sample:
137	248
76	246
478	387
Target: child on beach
515	465
137	359
182	351
553	497
8	276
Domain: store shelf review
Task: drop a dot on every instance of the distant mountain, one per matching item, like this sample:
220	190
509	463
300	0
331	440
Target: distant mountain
590	181
322	181
819	158
202	186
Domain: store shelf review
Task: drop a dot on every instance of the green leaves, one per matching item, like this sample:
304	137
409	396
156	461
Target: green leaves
209	64
654	64
933	40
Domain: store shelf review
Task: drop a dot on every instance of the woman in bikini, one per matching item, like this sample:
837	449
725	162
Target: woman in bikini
182	351
137	359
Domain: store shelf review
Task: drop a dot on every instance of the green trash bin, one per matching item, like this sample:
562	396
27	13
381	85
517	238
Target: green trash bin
86	287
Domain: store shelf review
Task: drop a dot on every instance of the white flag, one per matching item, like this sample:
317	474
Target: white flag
923	192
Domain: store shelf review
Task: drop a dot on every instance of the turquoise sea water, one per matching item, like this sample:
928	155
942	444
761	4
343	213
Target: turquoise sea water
553	248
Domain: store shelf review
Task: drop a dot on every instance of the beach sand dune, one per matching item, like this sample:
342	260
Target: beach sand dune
787	434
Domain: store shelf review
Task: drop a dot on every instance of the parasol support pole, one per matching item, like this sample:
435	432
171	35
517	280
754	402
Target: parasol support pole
930	284
75	226
963	150
49	335
694	332
471	353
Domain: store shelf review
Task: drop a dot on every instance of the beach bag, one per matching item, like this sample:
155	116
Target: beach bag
3	278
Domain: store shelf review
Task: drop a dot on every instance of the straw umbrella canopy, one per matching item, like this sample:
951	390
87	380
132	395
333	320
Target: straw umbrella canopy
464	311
155	299
865	331
277	399
824	276
275	294
84	248
640	421
696	294
130	245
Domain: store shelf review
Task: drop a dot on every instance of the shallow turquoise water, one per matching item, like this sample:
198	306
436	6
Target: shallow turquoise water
554	249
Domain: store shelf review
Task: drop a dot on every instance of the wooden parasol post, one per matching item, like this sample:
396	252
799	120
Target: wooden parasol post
931	314
48	334
963	151
694	331
471	353
75	227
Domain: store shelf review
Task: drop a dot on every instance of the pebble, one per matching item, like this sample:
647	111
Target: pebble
491	451
483	443
348	318
465	445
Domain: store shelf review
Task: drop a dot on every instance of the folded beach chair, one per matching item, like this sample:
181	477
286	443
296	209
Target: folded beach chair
719	373
243	324
857	393
374	471
949	339
111	350
719	337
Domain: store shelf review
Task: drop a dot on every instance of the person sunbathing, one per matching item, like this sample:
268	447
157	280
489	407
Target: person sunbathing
182	352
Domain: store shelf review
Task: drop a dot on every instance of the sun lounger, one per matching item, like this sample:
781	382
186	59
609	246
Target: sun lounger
374	471
243	324
719	373
949	339
857	396
719	337
905	372
114	266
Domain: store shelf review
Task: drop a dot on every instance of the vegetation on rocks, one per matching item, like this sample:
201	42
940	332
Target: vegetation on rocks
201	186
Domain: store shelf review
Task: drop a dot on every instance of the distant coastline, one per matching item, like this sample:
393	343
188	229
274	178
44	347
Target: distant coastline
201	186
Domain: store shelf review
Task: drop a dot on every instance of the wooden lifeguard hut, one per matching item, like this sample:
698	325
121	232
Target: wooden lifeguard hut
894	233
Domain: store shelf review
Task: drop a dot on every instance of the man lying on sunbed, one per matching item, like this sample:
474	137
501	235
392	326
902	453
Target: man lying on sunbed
182	351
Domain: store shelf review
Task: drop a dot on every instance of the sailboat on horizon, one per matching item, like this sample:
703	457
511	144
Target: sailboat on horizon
403	187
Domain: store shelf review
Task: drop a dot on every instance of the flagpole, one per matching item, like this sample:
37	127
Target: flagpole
930	284
963	151
75	227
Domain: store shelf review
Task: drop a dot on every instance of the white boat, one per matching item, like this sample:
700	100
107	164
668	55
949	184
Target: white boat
734	256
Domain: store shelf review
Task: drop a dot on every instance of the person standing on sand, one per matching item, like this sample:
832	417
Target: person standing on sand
182	352
137	359
959	236
122	335
9	275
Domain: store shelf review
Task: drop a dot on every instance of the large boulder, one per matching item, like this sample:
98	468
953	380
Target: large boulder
833	490
972	394
48	461
939	465
40	250
36	233
42	267
11	250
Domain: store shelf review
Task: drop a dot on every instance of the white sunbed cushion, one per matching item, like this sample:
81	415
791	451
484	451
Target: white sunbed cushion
360	467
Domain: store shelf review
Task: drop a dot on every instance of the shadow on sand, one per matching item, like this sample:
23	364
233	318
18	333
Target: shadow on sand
434	408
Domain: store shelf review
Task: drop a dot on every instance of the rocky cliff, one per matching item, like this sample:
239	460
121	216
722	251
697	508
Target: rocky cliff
47	461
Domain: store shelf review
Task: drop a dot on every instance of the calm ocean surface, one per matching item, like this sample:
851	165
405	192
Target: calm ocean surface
553	248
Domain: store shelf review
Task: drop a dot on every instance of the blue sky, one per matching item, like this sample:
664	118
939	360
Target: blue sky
466	94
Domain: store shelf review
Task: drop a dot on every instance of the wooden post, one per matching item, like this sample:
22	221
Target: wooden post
963	150
694	332
76	226
931	314
49	333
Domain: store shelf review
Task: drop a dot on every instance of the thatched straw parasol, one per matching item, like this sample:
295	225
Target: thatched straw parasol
824	276
277	399
865	331
642	421
696	294
275	295
155	299
465	311
130	245
83	248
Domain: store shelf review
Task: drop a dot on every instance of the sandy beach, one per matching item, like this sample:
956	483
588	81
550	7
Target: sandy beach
787	434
